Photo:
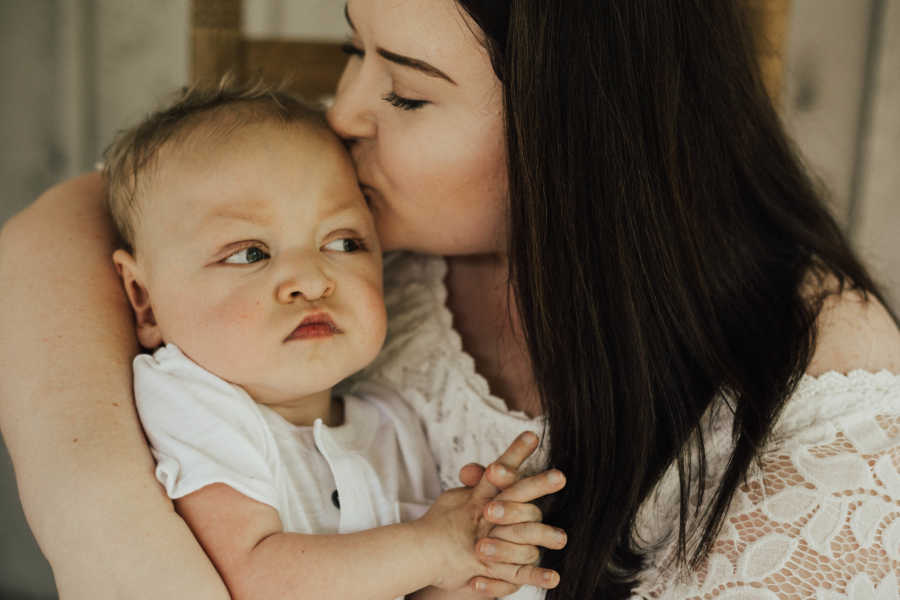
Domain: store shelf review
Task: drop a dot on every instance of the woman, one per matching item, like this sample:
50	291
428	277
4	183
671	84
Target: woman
634	257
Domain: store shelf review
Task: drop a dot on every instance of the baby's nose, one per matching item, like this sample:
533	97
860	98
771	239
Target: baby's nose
309	286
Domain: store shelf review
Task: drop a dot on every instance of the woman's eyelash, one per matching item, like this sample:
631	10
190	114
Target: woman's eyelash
404	103
351	50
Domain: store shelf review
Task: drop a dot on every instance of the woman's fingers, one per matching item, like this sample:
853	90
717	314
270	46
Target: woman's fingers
534	487
504	470
531	534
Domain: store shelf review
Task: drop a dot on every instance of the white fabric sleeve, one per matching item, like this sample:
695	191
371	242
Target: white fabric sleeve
202	429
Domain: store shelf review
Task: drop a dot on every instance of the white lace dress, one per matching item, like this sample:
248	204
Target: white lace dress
820	519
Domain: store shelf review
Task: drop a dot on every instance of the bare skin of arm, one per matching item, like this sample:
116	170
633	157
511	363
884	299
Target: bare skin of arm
258	559
84	471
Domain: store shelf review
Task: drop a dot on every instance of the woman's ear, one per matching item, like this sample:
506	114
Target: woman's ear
148	332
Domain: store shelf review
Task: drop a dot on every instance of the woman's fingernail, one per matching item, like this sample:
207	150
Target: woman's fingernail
499	469
555	477
488	549
480	586
497	511
562	537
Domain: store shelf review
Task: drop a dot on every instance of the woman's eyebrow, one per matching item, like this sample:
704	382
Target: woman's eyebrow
414	63
405	61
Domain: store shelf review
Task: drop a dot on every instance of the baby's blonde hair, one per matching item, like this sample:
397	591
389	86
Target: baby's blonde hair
220	110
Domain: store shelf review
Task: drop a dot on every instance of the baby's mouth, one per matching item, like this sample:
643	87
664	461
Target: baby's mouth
319	325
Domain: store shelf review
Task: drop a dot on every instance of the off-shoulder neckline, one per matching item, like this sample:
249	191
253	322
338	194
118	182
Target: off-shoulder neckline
466	362
851	375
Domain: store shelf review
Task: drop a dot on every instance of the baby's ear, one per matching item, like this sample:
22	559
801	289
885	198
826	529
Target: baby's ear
148	332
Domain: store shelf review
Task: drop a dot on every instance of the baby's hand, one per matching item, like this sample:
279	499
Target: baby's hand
504	524
511	549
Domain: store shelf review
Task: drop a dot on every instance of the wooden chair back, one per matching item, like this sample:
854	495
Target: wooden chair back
218	46
313	68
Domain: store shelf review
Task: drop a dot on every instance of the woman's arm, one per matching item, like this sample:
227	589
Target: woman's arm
84	471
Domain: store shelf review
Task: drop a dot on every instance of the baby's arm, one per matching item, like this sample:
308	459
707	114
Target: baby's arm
84	471
245	540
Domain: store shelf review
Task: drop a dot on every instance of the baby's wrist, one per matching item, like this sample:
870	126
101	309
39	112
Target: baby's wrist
430	546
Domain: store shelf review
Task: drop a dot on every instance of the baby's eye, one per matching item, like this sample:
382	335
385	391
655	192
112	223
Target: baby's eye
246	256
346	245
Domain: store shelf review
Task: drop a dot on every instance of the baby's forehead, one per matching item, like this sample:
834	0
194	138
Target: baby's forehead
210	131
214	158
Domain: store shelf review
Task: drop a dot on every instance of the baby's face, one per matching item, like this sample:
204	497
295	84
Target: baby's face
261	260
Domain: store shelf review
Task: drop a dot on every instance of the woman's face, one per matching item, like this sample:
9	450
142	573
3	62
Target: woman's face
423	112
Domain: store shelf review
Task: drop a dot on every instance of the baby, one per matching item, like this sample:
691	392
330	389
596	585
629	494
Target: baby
252	265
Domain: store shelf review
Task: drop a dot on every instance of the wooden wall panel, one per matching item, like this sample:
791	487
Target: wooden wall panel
878	228
826	55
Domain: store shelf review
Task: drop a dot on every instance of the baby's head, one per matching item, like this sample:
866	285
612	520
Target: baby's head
247	241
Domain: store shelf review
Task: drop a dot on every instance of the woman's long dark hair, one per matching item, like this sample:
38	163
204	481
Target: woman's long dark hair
662	231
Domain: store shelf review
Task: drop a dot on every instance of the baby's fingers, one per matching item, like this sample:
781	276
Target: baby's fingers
531	534
500	551
534	487
492	588
509	463
501	512
524	575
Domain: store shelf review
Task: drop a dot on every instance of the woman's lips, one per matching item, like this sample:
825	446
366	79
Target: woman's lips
318	325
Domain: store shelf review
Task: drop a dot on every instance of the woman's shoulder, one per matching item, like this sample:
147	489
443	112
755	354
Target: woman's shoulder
855	332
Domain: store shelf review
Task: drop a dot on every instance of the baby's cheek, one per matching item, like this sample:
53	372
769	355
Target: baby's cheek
237	314
374	318
232	329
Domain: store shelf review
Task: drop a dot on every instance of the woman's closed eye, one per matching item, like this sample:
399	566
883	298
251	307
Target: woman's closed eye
392	98
404	103
350	49
246	256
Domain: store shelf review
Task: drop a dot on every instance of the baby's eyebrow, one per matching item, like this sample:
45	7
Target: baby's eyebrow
239	213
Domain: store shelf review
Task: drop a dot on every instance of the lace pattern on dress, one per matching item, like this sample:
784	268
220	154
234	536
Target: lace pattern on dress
423	356
820	518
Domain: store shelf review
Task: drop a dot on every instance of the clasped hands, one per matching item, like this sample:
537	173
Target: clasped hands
492	532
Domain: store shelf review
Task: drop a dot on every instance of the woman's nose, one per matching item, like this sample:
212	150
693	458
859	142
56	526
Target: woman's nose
351	115
310	285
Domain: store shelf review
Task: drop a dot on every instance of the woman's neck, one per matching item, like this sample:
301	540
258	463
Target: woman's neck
485	315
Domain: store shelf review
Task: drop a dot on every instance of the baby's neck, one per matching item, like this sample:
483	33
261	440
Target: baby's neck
303	411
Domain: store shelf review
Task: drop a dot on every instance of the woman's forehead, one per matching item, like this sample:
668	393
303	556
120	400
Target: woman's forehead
437	31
